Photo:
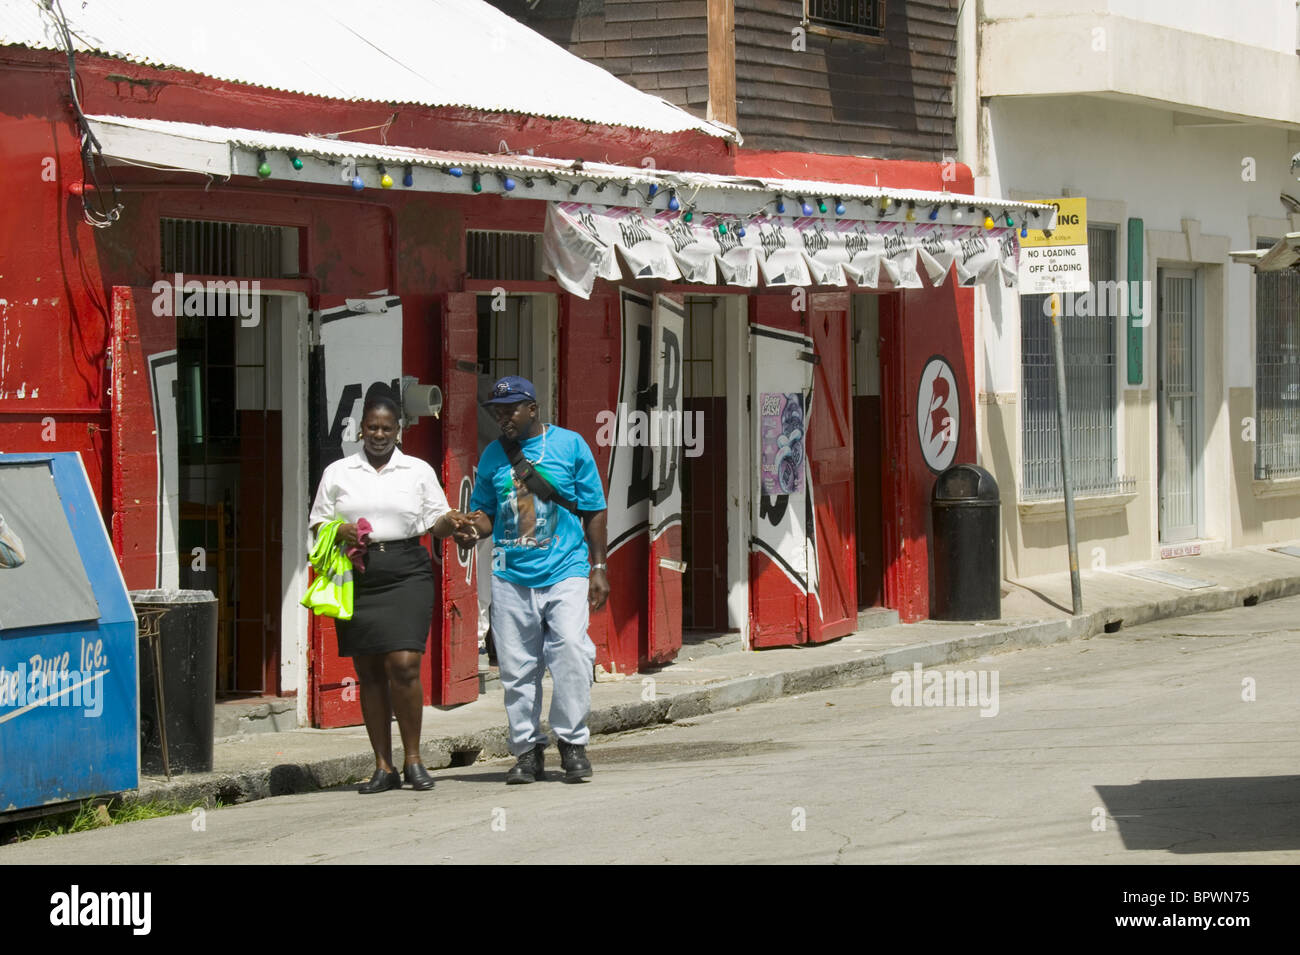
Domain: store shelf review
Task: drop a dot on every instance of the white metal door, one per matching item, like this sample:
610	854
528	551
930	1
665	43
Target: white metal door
1179	405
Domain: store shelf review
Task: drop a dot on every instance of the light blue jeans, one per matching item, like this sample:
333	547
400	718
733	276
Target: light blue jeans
538	629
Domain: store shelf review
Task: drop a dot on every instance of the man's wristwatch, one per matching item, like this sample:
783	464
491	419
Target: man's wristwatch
598	567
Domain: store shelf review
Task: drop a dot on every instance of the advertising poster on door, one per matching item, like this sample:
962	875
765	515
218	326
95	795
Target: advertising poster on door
784	529
782	430
362	344
626	429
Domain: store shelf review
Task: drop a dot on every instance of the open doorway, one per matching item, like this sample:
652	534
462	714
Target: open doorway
867	450
516	336
704	467
240	402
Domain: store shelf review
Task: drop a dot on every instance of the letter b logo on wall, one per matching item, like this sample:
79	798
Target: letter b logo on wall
938	414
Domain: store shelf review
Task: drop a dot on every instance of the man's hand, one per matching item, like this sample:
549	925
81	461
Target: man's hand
448	524
471	528
347	533
597	590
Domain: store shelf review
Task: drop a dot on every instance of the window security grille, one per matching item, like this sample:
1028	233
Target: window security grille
1090	384
200	247
1277	373
504	256
866	17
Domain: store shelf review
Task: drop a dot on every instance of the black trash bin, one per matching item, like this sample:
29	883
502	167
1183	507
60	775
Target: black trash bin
178	639
966	514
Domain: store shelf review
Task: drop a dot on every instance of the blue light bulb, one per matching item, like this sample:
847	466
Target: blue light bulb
741	232
934	213
456	171
780	207
654	187
408	180
839	208
807	209
358	183
673	204
509	184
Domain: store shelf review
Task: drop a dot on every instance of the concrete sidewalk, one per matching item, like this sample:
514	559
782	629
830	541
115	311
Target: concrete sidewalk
1036	612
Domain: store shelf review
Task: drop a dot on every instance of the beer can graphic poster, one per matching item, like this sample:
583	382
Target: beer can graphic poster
781	429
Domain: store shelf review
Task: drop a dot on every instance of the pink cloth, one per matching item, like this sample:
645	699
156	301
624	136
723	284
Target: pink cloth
355	552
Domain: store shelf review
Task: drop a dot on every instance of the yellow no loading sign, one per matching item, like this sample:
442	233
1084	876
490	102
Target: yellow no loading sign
1071	225
1057	262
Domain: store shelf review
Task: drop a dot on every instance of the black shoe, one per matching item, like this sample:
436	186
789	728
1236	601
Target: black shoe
529	767
418	777
573	759
382	781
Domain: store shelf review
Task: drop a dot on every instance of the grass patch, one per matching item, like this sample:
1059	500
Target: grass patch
95	814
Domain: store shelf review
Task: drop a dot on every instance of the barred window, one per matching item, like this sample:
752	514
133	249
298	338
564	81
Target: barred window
1088	331
1277	372
861	17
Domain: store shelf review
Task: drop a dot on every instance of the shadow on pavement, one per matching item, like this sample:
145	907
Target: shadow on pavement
1234	814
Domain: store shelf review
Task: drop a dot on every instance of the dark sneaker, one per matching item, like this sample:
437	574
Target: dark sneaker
573	759
529	767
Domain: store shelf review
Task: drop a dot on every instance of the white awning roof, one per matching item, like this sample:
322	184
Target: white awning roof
739	227
1283	255
222	151
462	53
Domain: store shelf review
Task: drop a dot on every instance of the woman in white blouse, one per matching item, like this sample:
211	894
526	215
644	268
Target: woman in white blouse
393	595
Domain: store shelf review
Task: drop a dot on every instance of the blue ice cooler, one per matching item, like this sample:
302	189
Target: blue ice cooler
69	716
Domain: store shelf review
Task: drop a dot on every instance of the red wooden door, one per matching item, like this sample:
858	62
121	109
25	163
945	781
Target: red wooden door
830	454
668	327
144	439
455	654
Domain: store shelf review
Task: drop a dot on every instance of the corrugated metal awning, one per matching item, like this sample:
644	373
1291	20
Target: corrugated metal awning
847	231
229	151
459	53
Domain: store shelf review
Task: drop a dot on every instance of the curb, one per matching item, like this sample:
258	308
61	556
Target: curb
463	750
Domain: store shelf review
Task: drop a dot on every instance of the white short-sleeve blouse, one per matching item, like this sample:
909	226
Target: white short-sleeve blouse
402	499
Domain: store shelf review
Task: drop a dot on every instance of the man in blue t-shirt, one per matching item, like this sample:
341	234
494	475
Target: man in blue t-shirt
538	494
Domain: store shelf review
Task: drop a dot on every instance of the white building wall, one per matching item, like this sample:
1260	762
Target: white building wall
1268	24
1162	173
1200	190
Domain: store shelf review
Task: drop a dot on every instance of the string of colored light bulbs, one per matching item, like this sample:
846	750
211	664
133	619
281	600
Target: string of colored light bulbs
509	183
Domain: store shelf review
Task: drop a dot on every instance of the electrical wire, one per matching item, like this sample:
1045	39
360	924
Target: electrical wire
100	216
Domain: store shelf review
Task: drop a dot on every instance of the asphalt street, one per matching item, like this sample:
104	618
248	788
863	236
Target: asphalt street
1172	743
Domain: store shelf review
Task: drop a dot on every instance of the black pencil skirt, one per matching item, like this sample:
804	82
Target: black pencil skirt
392	602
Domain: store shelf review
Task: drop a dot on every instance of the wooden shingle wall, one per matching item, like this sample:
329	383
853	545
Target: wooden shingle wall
851	96
891	98
659	46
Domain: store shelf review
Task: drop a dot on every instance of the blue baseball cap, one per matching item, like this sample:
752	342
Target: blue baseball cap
510	390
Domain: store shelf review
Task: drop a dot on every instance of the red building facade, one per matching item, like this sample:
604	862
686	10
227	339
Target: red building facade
87	312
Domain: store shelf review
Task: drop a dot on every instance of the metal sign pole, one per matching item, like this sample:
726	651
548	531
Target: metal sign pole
1058	356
